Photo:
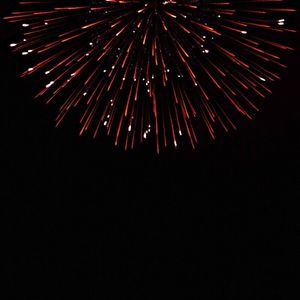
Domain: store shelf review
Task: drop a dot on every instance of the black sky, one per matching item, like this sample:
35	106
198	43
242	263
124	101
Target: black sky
79	212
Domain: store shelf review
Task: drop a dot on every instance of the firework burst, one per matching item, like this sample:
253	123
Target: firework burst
137	68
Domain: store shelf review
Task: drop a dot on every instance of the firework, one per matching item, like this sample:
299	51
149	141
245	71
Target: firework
165	69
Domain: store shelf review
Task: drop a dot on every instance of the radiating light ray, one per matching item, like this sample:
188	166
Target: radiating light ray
168	68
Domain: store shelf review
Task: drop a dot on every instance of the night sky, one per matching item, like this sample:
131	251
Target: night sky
79	213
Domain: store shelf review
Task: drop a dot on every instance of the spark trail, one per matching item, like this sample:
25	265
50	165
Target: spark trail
163	68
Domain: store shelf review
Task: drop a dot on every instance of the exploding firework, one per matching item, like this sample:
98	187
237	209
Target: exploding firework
140	68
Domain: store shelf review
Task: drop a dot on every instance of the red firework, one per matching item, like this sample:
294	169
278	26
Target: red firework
171	67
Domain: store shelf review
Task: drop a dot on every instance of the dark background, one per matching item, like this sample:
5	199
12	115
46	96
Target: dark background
81	215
